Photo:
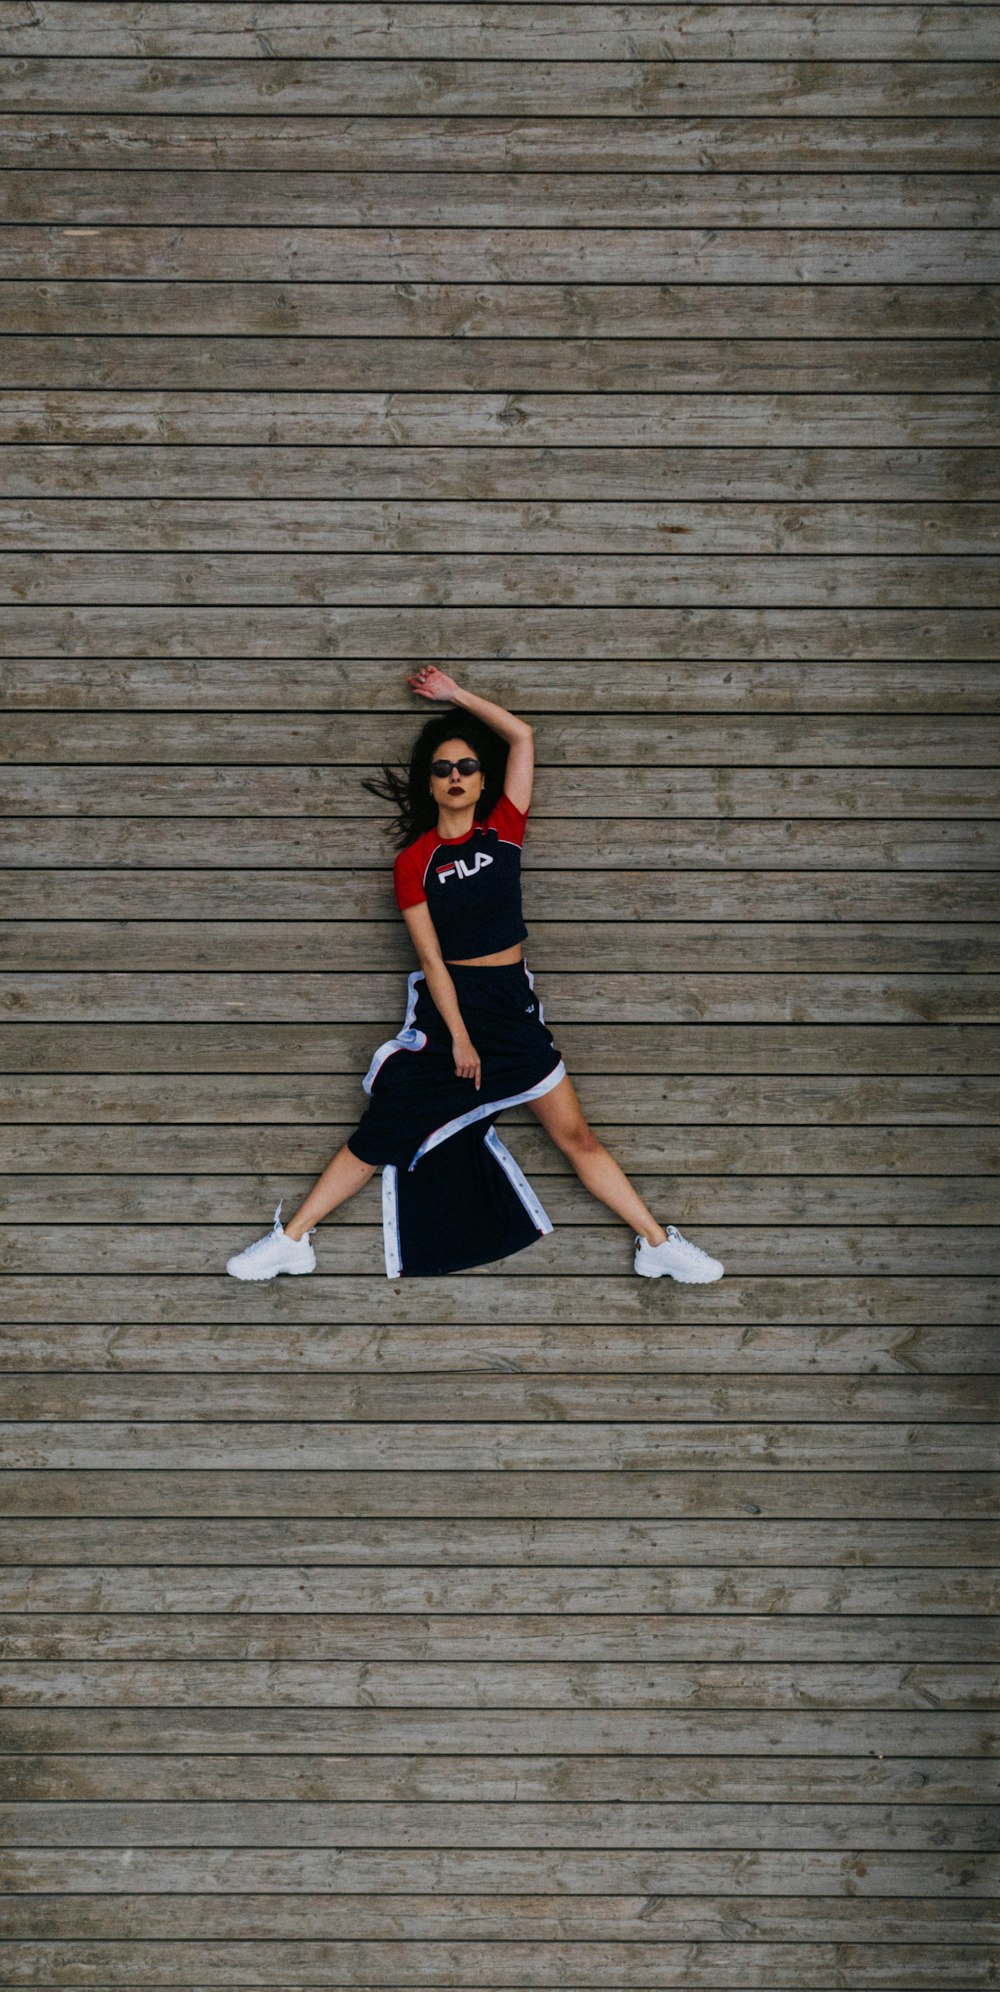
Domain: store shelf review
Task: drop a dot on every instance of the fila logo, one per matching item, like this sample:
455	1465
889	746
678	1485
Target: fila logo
460	869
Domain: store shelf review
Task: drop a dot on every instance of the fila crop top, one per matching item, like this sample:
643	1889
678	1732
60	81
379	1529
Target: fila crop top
472	884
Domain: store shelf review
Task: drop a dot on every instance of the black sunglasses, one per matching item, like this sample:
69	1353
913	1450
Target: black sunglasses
468	765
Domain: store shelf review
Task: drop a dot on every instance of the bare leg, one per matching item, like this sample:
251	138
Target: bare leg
342	1178
562	1118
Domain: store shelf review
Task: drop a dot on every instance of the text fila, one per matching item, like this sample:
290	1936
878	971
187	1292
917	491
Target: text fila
461	869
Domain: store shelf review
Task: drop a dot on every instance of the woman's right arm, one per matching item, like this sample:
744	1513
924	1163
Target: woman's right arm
423	934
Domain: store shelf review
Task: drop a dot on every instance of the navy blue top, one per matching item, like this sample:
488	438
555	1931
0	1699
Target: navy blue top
471	884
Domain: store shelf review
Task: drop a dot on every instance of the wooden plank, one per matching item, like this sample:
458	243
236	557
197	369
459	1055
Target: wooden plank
103	470
440	200
465	1965
442	31
490	1398
309	997
344	739
577	1873
438	1918
204	1149
318	844
762	1348
338	630
666	579
734	1123
493	1824
541	366
501	1684
367	143
616	529
513	421
524	89
612	947
637	1496
360	1542
525	1636
643	1053
885	896
323	789
624	1732
797	1298
461	1446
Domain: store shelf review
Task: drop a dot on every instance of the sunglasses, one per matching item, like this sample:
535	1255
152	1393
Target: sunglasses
468	765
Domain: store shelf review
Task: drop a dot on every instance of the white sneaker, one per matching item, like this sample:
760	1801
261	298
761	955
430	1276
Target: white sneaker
677	1257
274	1253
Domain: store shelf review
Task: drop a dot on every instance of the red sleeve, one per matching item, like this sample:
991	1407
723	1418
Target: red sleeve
407	877
508	821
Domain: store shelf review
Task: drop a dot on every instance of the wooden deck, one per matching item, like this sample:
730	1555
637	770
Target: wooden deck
542	1627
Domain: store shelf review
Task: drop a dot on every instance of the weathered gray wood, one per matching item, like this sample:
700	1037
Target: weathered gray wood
608	366
637	1496
577	1873
485	1817
442	1729
326	790
617	1544
461	1965
743	1151
526	1636
658	740
490	1398
667	579
632	857
192	629
638	948
633	1053
367	143
526	89
719	1120
623	527
516	420
497	32
616	1299
354	1248
625	997
609	1634
98	470
841	1122
678	1348
437	1917
500	1684
461	1446
637	202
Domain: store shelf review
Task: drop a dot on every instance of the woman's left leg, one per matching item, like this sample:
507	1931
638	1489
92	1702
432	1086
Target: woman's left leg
562	1118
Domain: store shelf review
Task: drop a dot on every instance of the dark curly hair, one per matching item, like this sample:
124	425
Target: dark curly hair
408	789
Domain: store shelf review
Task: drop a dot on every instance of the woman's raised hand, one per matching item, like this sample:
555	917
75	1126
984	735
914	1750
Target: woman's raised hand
430	683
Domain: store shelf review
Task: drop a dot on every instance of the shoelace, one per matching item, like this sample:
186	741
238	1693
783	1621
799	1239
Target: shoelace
677	1238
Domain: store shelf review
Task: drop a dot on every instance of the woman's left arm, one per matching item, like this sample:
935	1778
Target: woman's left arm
431	683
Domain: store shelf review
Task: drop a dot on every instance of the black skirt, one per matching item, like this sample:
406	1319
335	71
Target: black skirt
452	1194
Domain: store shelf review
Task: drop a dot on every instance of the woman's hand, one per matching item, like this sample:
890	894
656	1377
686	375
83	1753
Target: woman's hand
430	683
467	1063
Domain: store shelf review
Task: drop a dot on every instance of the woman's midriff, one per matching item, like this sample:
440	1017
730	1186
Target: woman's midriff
516	953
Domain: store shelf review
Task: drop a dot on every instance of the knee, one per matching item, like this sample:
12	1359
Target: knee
579	1141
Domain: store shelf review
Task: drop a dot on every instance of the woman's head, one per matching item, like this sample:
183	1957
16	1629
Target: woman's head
417	793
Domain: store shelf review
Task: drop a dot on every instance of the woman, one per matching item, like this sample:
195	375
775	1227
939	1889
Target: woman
474	1039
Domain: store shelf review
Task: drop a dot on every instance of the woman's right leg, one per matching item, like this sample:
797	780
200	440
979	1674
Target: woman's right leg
342	1178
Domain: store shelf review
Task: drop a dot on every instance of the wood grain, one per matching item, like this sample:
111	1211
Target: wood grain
542	1626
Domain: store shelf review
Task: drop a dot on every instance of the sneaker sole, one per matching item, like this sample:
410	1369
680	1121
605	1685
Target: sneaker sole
683	1279
259	1278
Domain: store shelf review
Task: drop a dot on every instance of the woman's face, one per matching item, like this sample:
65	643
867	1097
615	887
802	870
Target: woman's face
455	791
